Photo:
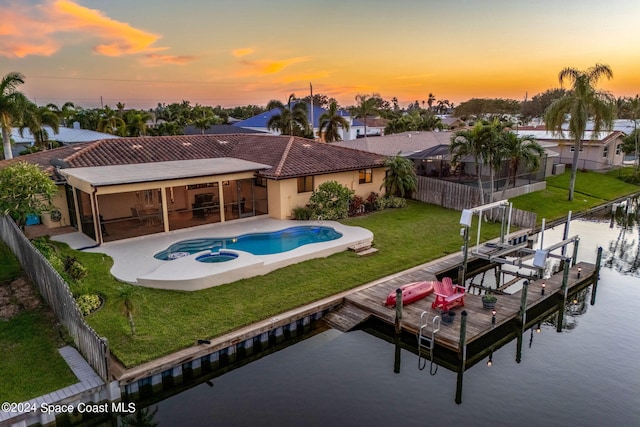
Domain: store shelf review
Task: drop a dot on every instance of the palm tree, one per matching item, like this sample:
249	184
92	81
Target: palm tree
581	103
12	106
472	142
127	305
367	106
430	100
292	120
331	121
631	107
36	119
110	122
400	177
520	150
136	122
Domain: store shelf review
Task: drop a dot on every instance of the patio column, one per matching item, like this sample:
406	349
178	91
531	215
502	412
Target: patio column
222	204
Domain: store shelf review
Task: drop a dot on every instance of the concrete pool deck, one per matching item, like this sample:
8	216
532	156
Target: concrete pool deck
134	260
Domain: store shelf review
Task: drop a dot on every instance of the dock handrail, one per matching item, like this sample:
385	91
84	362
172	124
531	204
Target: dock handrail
427	343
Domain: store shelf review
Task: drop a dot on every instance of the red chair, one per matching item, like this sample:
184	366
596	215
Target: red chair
448	295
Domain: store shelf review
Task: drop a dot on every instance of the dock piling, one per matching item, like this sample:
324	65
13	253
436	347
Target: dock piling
398	326
596	276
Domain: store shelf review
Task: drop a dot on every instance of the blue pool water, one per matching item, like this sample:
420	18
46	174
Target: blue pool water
217	257
254	243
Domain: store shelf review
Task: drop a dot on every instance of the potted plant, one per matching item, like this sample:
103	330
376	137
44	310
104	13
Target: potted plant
489	301
448	316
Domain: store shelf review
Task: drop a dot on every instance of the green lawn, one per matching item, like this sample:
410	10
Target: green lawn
592	189
31	365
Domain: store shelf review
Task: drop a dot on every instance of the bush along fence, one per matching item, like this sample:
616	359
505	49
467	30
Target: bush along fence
56	292
455	196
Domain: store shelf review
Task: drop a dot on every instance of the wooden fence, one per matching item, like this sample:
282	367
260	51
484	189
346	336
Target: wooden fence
455	196
56	292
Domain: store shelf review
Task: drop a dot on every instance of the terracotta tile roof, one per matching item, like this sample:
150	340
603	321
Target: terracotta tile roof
289	157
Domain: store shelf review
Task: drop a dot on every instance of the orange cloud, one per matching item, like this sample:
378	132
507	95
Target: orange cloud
153	59
244	51
122	38
39	30
266	67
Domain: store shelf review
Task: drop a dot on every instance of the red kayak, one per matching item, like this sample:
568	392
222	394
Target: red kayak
411	292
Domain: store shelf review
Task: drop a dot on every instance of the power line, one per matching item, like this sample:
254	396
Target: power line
138	81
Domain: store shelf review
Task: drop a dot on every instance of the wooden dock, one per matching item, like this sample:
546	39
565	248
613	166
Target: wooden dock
370	302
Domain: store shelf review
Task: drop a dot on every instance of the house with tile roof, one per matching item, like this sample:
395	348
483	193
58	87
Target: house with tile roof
126	187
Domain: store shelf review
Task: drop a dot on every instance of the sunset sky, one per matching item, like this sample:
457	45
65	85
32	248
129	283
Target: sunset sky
238	52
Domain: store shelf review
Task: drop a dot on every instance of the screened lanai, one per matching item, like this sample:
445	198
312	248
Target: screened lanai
123	201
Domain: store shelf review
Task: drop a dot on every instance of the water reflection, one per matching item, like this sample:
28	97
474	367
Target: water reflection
623	254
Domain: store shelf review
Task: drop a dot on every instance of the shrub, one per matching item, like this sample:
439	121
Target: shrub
49	251
357	206
74	268
395	202
330	201
88	303
372	202
302	213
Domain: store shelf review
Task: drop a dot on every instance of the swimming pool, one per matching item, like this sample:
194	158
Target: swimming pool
266	243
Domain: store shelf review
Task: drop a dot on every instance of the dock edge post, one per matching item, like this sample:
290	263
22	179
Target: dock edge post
596	276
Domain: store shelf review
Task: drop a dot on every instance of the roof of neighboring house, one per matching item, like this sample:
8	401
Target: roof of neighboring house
374	122
437	151
218	130
542	135
261	120
65	135
286	156
405	143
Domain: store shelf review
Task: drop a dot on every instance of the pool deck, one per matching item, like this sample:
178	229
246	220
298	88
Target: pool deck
134	261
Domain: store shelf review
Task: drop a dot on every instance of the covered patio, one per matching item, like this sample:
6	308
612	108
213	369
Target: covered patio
110	203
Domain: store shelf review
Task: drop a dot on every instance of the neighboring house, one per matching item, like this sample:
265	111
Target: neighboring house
119	188
599	151
405	143
451	123
430	151
356	127
65	136
218	130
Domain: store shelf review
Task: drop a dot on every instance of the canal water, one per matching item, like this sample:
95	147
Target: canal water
586	375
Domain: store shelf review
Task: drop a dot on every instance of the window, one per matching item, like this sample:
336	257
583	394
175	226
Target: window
305	184
605	151
618	149
574	149
366	176
261	181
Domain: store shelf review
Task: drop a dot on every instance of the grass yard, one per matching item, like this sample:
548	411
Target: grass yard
31	365
592	189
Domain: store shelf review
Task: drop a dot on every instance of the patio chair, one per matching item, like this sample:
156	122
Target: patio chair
448	295
136	214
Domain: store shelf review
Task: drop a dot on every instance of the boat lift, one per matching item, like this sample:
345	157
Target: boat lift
498	252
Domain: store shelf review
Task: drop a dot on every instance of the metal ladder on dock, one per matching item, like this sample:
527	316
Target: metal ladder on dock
427	343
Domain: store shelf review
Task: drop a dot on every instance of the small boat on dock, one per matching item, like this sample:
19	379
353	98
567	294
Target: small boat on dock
411	292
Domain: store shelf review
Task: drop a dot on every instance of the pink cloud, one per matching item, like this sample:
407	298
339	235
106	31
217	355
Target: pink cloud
39	30
153	59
